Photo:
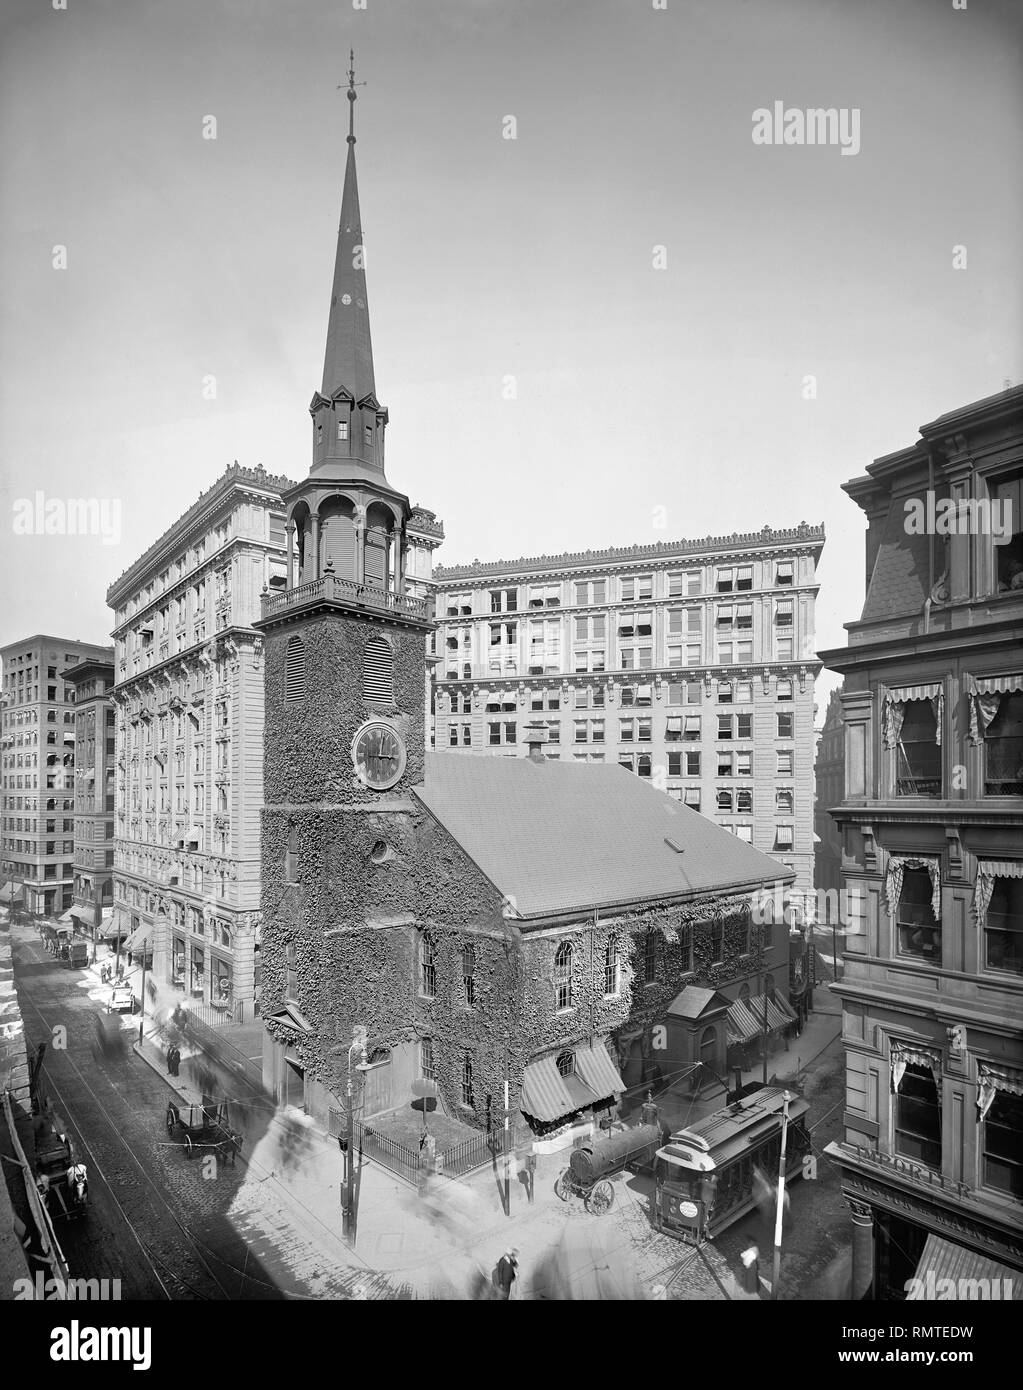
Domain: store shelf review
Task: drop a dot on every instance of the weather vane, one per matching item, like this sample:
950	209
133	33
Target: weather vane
352	84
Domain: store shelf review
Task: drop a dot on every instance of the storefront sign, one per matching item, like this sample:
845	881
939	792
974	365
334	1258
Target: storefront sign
906	1169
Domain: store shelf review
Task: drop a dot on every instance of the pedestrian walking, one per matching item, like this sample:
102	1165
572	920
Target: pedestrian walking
505	1273
751	1266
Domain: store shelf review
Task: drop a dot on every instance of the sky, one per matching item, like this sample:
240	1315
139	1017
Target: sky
597	333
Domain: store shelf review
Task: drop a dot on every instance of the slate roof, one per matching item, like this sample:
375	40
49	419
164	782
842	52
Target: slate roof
559	836
898	584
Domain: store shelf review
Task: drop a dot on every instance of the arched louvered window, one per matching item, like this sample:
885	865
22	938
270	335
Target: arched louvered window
467	1094
378	673
294	670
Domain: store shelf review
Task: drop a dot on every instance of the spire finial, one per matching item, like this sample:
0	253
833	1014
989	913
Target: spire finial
352	84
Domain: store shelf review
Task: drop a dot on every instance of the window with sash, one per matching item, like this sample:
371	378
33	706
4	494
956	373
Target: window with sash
1002	1145
427	966
612	969
917	751
1003	746
918	933
563	976
918	1117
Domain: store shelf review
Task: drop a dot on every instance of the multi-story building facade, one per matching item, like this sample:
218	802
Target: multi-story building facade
92	899
38	788
189	762
692	663
931	821
829	790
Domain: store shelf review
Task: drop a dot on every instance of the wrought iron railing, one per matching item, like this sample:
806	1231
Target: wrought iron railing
333	587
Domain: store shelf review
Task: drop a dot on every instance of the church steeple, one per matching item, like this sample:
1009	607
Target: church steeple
348	360
348	420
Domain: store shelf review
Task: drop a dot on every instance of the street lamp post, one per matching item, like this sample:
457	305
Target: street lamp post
787	1098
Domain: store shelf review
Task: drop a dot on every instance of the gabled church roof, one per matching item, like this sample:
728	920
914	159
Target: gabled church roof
561	837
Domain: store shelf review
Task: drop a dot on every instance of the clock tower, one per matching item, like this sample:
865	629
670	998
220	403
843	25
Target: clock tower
345	658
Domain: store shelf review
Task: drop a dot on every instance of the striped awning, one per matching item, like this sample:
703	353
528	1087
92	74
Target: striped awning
943	1260
547	1095
141	936
746	1017
68	916
596	1068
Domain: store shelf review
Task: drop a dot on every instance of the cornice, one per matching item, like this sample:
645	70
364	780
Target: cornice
709	549
234	477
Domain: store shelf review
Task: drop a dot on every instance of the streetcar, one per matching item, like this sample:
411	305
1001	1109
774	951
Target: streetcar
706	1177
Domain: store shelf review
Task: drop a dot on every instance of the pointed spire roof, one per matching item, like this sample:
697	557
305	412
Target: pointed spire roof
348	360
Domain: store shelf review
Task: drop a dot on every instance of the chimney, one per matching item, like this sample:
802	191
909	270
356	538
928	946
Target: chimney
536	737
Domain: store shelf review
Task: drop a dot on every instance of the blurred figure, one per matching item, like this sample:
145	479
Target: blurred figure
109	1042
765	1195
452	1206
505	1273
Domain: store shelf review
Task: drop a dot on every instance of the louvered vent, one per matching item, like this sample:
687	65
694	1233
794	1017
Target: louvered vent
378	673
294	670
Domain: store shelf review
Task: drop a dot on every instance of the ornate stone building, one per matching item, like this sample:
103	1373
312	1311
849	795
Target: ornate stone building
37	840
92	905
485	921
931	824
189	765
691	663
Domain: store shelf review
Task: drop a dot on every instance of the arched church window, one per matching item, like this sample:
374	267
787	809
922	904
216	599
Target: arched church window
294	670
378	673
563	975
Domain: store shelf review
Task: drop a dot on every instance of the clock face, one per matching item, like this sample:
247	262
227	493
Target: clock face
379	754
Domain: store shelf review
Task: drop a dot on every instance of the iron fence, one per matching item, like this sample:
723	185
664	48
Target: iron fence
410	1164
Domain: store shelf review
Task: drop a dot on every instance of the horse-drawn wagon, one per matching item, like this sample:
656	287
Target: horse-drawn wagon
204	1128
61	1180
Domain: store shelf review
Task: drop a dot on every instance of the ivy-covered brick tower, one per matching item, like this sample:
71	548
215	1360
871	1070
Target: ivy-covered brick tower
345	651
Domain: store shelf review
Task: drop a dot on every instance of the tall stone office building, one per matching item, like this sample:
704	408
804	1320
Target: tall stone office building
931	825
189	761
691	663
37	814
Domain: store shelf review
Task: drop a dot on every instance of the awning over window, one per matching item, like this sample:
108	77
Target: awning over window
141	936
68	916
905	1055
985	695
746	1017
893	708
990	1080
597	1070
897	866
12	893
547	1095
942	1260
987	871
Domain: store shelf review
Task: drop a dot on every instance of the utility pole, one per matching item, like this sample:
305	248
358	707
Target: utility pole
776	1272
348	1211
142	999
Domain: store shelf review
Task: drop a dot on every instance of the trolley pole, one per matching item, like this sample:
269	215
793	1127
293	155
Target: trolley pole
776	1272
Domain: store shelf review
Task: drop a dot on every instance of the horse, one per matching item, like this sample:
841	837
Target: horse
78	1184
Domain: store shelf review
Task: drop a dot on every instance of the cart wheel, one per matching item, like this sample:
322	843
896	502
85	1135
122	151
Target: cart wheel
172	1117
601	1199
563	1184
189	1146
